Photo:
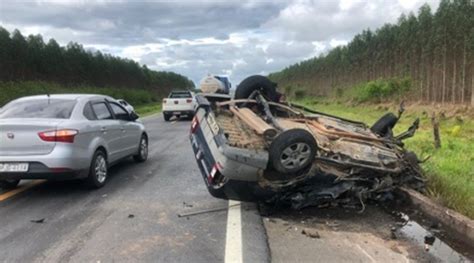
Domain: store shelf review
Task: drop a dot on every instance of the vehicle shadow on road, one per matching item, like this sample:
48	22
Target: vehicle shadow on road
120	177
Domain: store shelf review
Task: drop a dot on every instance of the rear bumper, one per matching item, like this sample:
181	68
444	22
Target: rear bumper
233	189
41	171
64	162
241	168
179	112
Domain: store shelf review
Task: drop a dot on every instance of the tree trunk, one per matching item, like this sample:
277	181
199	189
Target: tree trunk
443	91
428	87
435	123
463	79
472	89
453	88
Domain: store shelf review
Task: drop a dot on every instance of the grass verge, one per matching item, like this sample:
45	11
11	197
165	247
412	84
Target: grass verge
450	169
148	109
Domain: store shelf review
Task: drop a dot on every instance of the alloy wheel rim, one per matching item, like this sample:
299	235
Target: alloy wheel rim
295	156
144	148
101	169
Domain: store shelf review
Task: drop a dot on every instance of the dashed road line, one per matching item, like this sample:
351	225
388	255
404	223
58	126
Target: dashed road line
20	189
233	244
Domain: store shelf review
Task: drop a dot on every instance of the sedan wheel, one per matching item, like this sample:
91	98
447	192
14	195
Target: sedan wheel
101	169
98	171
142	150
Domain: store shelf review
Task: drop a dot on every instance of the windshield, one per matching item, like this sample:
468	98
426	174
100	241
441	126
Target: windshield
180	95
38	108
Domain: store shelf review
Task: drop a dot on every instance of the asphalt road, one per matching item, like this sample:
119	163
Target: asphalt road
134	217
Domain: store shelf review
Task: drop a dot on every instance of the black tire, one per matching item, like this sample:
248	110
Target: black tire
166	116
257	82
384	125
95	180
9	184
142	154
189	117
292	151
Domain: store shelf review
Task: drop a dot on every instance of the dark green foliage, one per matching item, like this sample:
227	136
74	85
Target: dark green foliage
380	90
299	94
435	50
11	90
31	59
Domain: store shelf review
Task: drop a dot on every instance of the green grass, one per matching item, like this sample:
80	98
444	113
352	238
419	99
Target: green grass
148	109
450	169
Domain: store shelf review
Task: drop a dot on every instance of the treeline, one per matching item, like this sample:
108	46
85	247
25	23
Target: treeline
435	50
31	59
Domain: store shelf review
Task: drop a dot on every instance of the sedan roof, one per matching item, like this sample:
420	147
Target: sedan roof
64	96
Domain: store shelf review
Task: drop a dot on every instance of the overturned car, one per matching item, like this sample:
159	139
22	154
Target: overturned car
255	147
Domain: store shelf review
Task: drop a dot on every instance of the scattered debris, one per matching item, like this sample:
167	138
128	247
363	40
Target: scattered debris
187	205
205	211
131	216
271	220
38	221
332	224
429	241
309	232
393	232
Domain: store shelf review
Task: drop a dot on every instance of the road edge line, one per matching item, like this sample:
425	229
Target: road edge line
233	244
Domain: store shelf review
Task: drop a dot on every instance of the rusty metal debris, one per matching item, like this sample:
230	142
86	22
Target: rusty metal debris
309	232
206	211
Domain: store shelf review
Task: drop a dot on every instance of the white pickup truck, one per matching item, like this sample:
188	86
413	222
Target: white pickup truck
179	103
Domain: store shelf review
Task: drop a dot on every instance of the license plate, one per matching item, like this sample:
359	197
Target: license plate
213	124
177	112
14	167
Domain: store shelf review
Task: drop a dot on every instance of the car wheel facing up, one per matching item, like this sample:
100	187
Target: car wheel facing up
292	151
98	171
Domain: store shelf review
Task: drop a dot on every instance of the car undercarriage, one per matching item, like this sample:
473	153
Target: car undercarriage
309	158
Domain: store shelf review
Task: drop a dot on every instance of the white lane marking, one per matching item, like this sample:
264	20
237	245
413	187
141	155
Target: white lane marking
233	243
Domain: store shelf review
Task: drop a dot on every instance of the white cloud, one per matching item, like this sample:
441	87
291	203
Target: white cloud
237	38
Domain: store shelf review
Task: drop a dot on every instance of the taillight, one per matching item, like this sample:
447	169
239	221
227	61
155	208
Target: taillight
216	168
194	124
189	100
164	100
64	135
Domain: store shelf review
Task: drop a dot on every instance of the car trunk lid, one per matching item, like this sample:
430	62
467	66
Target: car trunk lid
20	137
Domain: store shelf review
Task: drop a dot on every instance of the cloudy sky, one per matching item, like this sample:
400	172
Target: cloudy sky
194	38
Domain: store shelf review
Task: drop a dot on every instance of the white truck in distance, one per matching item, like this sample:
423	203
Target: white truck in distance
179	103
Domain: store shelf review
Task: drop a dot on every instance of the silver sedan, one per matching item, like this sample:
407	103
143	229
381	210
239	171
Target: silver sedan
69	136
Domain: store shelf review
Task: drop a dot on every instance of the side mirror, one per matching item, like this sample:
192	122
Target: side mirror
134	116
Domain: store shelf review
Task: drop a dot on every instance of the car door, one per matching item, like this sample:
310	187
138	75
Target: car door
110	129
131	132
